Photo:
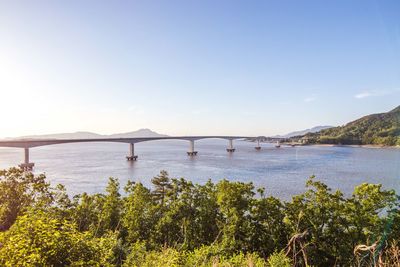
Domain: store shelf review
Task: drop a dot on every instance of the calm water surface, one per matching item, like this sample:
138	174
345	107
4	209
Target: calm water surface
283	172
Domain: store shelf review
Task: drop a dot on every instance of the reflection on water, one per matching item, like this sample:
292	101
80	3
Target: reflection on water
86	167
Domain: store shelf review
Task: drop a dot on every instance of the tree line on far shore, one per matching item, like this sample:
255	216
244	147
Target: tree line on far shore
179	223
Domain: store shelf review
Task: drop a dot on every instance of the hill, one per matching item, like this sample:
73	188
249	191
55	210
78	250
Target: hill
138	133
90	135
375	129
303	132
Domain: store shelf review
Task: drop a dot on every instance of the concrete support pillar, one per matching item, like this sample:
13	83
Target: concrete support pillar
26	155
230	146
26	166
131	156
258	147
278	144
191	151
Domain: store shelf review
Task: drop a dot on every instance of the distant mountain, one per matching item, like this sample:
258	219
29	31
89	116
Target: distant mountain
303	132
138	133
375	129
76	135
90	135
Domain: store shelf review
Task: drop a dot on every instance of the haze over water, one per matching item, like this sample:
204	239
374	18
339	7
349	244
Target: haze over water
283	172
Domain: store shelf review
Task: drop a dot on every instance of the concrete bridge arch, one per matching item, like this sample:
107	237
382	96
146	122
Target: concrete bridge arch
31	143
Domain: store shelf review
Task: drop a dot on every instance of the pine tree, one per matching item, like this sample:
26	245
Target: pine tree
162	185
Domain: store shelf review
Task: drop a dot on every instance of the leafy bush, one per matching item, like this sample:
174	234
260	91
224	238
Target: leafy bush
153	258
38	239
279	259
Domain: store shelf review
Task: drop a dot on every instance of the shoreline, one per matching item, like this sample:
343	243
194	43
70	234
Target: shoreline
337	145
355	146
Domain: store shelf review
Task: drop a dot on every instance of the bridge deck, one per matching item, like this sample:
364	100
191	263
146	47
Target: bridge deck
27	144
45	142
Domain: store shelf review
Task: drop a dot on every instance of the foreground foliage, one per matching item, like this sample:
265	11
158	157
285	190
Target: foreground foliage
178	223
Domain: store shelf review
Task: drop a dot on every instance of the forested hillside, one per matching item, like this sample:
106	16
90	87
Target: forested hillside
178	223
375	129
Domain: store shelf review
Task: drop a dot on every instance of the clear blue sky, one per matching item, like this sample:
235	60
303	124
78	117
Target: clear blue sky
195	67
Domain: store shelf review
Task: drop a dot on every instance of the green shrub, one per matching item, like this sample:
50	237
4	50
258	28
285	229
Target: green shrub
39	239
279	259
139	257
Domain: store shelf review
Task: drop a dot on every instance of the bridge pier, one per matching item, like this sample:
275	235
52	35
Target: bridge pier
26	166
191	151
230	146
131	156
258	147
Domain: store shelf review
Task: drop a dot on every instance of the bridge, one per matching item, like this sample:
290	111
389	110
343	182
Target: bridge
26	144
